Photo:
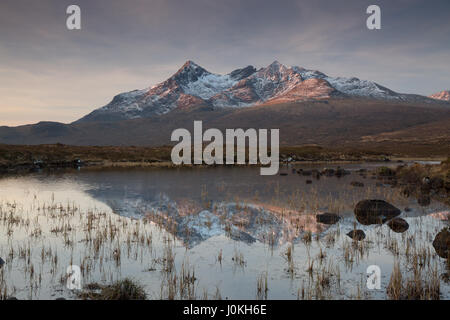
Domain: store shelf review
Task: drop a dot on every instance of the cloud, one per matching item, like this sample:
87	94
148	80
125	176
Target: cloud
133	44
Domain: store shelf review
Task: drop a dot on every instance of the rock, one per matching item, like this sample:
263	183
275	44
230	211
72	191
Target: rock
2	262
60	298
357	184
441	243
316	174
357	235
426	180
375	211
398	225
308	181
283	174
327	218
306	172
328	172
12	298
341	172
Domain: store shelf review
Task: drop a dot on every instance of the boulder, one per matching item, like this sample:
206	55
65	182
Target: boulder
2	262
357	235
341	172
328	172
441	243
398	225
375	211
327	218
357	184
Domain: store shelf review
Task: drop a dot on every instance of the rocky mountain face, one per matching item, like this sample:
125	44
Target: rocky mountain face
443	95
192	86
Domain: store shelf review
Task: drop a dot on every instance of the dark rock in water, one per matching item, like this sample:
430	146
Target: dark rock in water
426	180
424	200
357	184
60	298
357	235
293	170
2	262
12	298
328	172
375	211
308	181
341	172
441	243
316	174
398	225
327	218
306	172
283	174
407	209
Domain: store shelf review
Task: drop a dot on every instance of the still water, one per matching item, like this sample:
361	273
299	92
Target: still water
228	226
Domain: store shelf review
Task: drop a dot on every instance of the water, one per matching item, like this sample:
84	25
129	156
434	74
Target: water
228	225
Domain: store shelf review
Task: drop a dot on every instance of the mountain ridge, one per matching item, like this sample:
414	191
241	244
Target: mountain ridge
193	85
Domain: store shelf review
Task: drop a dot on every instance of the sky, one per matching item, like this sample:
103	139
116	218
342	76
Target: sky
50	73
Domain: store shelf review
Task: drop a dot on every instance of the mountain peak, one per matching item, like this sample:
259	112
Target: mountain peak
443	95
191	67
277	66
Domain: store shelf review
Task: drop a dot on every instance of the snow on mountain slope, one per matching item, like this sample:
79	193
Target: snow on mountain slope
443	95
193	85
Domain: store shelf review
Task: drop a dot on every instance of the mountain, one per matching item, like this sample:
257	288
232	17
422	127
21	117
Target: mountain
307	106
443	95
193	86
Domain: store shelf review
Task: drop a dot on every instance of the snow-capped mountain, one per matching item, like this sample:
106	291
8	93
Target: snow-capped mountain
443	95
192	85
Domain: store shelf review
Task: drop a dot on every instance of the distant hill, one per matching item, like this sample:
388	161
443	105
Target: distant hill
334	122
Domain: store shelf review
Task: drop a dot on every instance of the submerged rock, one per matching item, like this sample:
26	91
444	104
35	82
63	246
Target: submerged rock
398	225
327	218
357	235
2	262
441	243
375	211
